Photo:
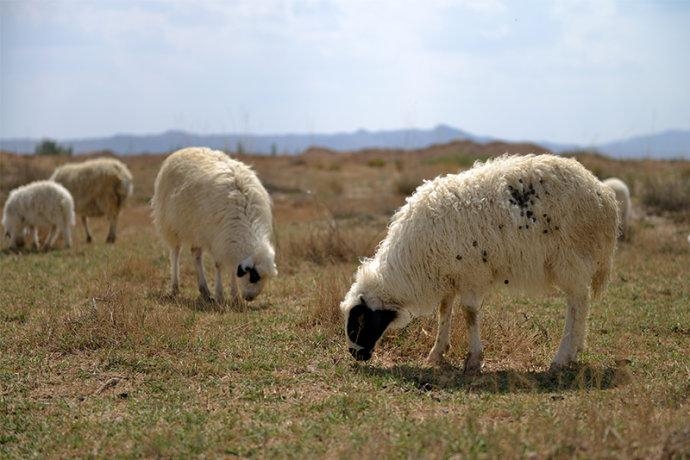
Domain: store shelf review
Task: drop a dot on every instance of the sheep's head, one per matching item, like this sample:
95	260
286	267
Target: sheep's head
364	326
14	232
366	315
254	272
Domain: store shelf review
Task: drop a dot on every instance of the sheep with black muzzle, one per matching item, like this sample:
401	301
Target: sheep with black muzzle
205	199
522	222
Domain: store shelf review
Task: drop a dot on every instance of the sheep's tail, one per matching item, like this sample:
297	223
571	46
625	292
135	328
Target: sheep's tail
123	189
601	277
610	222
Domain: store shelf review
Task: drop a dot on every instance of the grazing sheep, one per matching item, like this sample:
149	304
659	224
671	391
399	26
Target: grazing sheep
523	222
37	205
623	197
211	202
99	188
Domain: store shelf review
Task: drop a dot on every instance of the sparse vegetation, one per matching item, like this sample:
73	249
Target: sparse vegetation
95	360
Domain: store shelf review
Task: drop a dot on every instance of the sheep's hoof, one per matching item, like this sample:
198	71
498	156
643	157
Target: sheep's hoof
205	294
88	239
436	360
557	368
110	239
474	364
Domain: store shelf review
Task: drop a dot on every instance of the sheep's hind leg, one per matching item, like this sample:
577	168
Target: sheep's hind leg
50	238
575	330
199	263
34	234
442	343
67	235
475	358
86	228
175	270
111	231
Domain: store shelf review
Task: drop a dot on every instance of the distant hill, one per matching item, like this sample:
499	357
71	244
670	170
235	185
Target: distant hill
262	144
668	144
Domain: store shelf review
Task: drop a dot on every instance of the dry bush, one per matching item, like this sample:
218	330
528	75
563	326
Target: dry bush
670	194
326	242
405	185
323	307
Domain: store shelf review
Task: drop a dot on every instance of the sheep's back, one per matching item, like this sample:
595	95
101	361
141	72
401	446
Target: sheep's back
519	220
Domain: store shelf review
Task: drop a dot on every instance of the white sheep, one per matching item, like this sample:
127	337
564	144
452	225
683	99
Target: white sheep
624	206
207	200
99	188
40	204
523	222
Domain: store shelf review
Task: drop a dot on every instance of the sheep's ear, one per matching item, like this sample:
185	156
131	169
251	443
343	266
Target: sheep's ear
247	266
244	267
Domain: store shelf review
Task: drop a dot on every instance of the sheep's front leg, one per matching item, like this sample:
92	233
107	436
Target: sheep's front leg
199	263
174	270
475	358
575	331
220	299
442	343
86	228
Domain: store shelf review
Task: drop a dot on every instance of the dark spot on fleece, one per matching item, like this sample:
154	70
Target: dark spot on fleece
458	257
500	226
484	259
546	231
519	227
474	243
506	281
484	253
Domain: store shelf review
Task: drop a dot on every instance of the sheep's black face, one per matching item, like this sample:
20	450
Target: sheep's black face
364	327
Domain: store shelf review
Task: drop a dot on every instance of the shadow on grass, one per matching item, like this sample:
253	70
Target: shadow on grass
578	377
201	304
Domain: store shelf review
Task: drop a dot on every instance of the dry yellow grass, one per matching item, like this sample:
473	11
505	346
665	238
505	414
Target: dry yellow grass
95	360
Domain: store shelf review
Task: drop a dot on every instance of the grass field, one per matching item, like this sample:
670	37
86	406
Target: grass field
97	361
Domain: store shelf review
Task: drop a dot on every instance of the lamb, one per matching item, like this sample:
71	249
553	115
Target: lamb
40	204
99	187
624	206
211	202
522	222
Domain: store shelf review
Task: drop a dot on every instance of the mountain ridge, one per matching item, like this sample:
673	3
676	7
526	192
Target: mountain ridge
672	143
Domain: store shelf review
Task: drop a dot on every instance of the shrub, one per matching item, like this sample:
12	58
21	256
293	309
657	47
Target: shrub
50	147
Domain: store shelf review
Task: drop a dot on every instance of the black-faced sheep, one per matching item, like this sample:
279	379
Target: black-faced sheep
40	204
99	188
208	201
522	222
624	206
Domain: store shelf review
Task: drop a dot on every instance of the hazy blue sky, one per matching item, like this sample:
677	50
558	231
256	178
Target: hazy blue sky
568	71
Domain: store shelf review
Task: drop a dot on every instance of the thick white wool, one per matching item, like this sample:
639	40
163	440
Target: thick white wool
39	205
99	187
624	206
205	199
522	222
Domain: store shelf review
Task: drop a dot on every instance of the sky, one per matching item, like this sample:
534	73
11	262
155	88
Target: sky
563	71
